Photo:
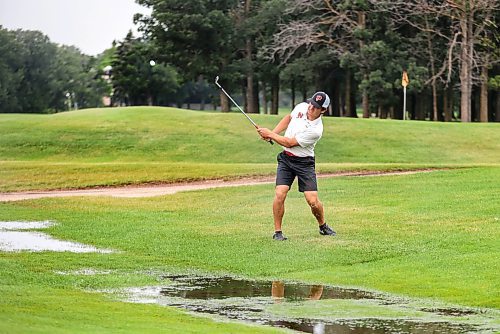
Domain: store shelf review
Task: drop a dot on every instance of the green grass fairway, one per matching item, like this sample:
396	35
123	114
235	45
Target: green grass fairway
102	147
433	237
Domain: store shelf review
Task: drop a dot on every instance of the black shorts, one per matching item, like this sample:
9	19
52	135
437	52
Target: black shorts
302	167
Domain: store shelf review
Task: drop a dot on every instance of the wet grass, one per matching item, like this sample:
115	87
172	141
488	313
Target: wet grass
308	308
432	236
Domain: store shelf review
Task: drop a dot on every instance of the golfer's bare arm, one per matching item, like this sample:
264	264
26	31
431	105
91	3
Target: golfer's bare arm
275	134
283	124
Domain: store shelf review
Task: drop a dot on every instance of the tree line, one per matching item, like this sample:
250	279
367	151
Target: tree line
37	75
355	50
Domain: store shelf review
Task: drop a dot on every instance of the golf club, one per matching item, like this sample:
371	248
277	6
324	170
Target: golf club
236	104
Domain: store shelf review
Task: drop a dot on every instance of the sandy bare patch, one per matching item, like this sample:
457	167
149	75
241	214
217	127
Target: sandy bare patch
168	189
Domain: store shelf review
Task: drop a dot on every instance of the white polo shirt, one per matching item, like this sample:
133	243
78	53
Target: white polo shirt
305	131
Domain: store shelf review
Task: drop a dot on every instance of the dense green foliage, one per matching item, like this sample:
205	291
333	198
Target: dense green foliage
138	79
268	52
354	50
38	76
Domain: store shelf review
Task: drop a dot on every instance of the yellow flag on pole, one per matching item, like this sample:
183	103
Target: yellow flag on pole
405	81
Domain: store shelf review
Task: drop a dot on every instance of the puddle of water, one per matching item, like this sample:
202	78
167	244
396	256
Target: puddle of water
374	326
228	287
16	226
257	302
14	238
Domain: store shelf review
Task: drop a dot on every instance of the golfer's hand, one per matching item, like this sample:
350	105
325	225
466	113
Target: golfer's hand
264	133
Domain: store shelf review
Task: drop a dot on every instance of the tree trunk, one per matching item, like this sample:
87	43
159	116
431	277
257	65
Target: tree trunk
366	108
200	84
293	92
382	111
411	106
224	102
466	49
452	103
497	106
483	113
447	97
275	91
251	106
420	108
353	112
362	26
433	72
434	102
264	97
256	101
336	107
347	93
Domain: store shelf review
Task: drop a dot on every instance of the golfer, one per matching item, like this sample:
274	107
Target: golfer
304	128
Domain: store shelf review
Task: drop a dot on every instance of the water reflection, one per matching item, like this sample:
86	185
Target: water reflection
278	292
270	302
196	287
376	326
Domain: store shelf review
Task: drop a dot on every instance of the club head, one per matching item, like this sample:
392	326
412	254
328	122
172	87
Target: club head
217	80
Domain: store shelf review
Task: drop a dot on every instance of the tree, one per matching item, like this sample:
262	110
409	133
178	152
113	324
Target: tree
78	75
468	23
36	74
10	71
339	27
428	35
38	64
194	36
252	103
138	79
265	24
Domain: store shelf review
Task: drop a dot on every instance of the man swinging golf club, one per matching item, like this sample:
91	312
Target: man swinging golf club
304	128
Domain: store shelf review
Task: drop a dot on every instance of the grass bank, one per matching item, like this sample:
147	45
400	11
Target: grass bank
100	147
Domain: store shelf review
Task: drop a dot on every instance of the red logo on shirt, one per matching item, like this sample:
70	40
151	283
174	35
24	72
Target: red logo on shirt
300	115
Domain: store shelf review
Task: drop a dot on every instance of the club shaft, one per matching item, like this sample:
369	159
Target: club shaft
236	104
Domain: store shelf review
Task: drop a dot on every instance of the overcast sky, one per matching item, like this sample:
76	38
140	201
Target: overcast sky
90	25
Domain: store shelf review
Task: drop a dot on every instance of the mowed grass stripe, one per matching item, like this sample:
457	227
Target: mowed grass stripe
175	135
119	146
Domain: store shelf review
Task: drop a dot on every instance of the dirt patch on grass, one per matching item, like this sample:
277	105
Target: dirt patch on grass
151	190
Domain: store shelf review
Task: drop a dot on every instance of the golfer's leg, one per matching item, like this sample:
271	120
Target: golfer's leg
316	206
279	205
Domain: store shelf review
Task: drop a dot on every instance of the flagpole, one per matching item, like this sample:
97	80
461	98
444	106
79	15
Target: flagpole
404	103
404	82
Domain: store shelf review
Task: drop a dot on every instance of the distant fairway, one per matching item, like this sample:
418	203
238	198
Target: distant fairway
134	145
